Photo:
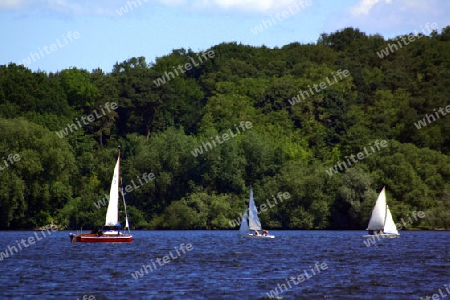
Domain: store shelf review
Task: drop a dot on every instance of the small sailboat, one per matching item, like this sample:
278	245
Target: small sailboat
250	222
381	222
111	231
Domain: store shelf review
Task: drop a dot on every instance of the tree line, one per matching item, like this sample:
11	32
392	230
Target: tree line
65	128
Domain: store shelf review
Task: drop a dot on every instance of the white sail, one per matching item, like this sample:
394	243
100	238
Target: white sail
112	215
389	226
378	217
254	223
244	223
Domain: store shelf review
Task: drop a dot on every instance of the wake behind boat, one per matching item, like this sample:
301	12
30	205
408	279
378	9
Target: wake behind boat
381	223
250	222
111	231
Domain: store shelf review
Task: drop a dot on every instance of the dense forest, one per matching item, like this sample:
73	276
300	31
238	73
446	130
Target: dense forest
206	126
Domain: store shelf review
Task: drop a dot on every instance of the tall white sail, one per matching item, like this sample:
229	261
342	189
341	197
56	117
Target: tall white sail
112	215
244	223
389	226
378	217
254	223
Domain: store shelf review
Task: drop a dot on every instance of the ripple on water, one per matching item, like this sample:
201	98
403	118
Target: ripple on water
223	266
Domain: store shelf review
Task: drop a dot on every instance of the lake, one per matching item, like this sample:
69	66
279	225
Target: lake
219	265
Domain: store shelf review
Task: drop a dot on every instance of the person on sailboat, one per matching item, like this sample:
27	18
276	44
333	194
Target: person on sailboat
256	232
265	232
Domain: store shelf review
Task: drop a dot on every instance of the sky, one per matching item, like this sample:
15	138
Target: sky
52	35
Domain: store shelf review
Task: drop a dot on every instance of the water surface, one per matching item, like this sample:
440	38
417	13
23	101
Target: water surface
220	265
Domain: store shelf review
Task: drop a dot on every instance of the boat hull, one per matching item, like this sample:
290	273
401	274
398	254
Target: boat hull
252	236
382	235
105	238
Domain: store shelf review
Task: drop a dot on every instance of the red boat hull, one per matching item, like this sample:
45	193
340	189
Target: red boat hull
105	238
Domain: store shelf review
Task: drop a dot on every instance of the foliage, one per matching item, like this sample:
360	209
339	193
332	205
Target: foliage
288	148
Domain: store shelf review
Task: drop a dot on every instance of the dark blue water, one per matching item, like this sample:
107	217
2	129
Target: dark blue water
222	266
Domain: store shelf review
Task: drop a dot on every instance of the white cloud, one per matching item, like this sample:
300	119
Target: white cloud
108	7
391	17
173	2
365	6
11	4
65	7
84	7
251	6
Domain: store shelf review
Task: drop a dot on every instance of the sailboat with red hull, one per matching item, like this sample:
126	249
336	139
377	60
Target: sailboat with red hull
111	232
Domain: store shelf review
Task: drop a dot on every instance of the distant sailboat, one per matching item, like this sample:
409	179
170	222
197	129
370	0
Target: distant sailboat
111	231
250	222
381	222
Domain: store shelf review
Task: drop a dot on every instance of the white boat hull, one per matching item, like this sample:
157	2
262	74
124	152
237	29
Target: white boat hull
257	236
382	235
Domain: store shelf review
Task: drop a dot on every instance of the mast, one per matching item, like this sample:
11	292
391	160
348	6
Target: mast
127	224
118	180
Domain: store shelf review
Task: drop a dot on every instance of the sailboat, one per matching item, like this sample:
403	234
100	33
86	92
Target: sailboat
111	231
250	222
381	222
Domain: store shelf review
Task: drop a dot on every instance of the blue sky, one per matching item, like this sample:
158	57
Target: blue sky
92	34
